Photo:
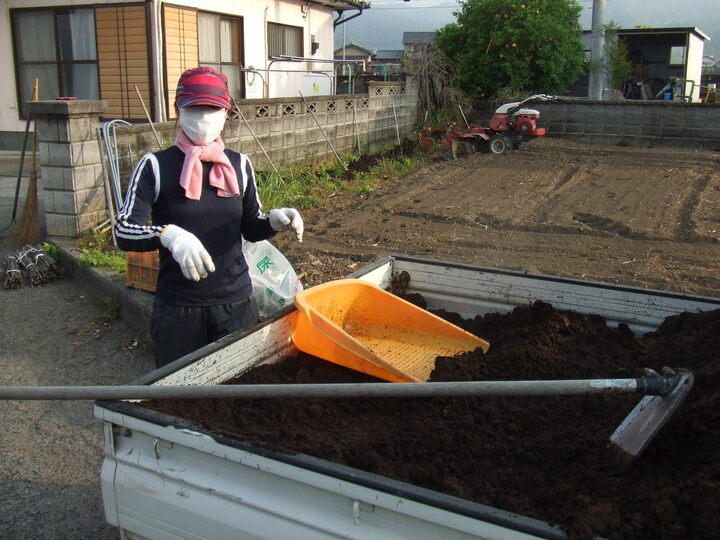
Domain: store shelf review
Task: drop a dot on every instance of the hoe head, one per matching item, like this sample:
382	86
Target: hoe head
651	414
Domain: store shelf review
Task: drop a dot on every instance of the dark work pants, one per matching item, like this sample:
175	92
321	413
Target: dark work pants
179	330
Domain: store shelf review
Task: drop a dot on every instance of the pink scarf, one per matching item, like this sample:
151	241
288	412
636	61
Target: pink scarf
222	174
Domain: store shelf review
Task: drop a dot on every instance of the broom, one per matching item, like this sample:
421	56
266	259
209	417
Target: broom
28	227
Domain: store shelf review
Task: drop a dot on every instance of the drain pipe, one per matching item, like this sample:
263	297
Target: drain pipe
340	20
266	84
156	55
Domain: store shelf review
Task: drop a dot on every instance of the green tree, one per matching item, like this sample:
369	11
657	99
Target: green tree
531	45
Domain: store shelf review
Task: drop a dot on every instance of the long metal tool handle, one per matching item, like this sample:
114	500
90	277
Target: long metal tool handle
656	385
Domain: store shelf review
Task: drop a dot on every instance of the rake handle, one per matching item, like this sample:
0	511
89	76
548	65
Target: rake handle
653	385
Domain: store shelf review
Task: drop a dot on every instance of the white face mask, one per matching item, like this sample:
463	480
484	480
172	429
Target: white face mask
202	125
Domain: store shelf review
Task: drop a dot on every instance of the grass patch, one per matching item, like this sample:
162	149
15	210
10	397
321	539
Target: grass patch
306	185
98	250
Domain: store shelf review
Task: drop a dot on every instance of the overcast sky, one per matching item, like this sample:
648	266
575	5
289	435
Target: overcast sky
382	26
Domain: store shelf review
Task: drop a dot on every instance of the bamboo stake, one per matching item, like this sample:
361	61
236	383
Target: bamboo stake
237	108
397	128
147	115
357	130
323	131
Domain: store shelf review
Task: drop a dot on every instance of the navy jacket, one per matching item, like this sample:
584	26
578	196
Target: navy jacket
155	199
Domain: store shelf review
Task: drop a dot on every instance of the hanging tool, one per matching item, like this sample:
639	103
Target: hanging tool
27	230
664	394
19	177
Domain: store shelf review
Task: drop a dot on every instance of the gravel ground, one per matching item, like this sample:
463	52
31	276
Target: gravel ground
51	451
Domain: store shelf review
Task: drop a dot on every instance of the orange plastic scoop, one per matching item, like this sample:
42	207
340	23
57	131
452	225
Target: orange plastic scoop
362	327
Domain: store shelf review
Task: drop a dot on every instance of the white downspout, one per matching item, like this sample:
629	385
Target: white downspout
156	61
266	85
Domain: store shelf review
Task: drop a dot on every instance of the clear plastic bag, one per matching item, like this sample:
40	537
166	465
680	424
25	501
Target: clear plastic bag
274	281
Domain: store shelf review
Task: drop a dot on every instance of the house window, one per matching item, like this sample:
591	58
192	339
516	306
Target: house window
57	47
284	40
220	42
677	55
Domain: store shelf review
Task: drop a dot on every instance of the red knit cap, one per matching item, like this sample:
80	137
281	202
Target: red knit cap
202	86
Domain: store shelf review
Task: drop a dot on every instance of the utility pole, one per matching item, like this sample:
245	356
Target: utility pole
597	48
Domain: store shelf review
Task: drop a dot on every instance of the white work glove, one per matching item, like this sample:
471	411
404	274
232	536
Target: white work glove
284	218
194	260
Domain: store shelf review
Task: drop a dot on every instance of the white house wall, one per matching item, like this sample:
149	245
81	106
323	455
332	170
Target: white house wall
314	19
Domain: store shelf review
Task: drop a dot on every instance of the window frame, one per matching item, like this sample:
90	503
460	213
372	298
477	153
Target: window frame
59	63
683	55
301	39
238	38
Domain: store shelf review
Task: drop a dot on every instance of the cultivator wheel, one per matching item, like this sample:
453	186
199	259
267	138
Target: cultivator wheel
499	145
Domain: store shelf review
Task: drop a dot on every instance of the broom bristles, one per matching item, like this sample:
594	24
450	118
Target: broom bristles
27	229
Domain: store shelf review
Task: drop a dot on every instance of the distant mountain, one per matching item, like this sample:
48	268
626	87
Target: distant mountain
382	26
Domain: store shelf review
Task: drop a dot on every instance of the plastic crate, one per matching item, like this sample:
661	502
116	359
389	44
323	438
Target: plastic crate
142	269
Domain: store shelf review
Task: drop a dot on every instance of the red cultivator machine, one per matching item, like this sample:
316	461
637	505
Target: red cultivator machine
511	125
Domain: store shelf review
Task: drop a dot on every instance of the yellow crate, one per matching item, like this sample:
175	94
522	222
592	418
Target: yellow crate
142	269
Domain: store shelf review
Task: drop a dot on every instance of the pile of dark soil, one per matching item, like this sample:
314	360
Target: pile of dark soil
543	457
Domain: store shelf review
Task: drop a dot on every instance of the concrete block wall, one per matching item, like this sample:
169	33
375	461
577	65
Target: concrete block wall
635	123
292	129
72	182
288	130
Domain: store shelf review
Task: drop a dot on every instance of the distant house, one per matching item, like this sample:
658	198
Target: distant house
354	52
415	42
385	61
659	56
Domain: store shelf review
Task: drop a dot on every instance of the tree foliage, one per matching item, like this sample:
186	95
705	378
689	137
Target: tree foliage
531	45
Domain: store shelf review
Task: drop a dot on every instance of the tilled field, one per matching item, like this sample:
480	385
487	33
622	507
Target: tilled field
644	217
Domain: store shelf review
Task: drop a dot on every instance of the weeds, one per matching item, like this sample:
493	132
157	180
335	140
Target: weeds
51	250
307	185
111	307
98	251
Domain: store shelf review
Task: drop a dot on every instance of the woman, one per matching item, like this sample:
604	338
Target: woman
196	201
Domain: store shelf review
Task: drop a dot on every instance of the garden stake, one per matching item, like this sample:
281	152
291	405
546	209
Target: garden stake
357	130
323	131
237	108
147	115
397	128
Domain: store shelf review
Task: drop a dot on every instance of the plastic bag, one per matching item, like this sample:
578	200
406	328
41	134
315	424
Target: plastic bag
274	281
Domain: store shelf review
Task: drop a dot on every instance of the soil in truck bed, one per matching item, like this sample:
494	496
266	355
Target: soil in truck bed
544	457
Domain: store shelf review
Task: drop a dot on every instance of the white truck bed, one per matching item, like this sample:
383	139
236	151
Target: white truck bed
163	477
